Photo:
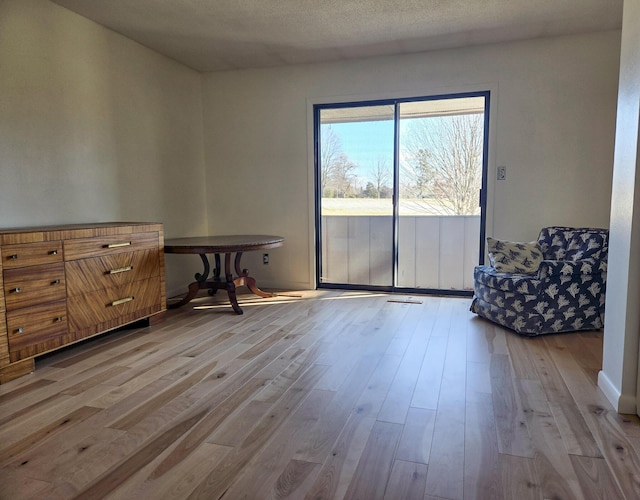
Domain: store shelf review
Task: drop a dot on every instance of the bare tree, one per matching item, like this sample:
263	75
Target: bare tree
381	177
342	178
417	173
443	159
330	151
337	172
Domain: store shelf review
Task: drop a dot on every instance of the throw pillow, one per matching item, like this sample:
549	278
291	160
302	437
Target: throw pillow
514	257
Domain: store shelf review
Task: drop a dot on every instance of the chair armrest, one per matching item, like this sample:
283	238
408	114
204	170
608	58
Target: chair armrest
550	268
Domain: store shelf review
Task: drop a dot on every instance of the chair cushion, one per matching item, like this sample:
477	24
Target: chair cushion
514	257
489	276
563	243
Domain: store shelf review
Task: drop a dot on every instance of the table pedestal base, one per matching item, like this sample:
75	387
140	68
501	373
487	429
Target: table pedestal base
229	283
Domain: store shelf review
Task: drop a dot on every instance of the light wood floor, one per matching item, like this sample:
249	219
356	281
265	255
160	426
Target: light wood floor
329	395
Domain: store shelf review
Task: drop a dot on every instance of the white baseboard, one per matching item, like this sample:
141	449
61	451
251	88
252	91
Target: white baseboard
622	403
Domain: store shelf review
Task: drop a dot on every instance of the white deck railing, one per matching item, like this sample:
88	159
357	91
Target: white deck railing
434	251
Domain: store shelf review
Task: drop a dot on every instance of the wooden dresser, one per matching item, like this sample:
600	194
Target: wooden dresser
62	284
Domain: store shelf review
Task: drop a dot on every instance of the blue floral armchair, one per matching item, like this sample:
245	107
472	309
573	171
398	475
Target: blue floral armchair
565	293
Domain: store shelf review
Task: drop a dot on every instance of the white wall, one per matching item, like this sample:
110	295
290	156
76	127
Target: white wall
95	127
619	375
553	119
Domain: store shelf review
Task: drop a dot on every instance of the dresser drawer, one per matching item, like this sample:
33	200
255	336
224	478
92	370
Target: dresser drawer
87	275
115	305
36	329
31	254
109	245
29	286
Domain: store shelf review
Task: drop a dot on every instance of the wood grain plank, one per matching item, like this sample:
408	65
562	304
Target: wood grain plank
445	477
116	476
374	468
85	429
400	395
214	414
266	467
519	478
233	429
484	339
322	434
132	418
481	461
338	469
376	329
595	477
342	461
69	467
555	471
478	381
427	390
20	390
511	422
523	365
582	388
44	433
616	447
407	481
18	487
188	474
585	348
576	436
294	480
454	371
121	391
265	344
554	385
417	435
221	478
98	378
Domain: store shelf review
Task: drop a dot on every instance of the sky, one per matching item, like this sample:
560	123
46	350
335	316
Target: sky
365	142
368	141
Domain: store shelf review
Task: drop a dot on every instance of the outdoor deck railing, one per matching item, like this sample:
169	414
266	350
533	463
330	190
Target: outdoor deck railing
433	251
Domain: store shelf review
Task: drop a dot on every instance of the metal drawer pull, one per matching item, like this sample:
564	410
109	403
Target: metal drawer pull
20	330
53	252
120	270
121	301
14	256
55	282
16	290
58	319
116	245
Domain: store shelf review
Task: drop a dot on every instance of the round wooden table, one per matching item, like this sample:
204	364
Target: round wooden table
227	245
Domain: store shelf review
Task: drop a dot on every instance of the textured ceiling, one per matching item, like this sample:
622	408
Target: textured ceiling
214	35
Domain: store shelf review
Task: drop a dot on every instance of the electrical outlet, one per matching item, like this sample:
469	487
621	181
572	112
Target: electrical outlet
501	173
265	258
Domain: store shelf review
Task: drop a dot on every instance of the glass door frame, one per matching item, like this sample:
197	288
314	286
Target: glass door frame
486	94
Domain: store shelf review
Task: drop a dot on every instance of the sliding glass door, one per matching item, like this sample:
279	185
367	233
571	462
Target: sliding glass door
398	192
356	160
